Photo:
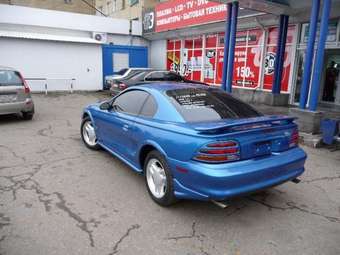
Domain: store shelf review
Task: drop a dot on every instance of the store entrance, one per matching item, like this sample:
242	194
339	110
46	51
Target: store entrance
330	87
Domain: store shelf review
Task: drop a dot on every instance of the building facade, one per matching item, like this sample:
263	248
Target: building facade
125	9
194	47
77	6
67	51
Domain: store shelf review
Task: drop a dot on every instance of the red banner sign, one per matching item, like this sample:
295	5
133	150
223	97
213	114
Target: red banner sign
181	13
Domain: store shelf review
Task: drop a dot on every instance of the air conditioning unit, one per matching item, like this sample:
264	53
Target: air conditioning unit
100	37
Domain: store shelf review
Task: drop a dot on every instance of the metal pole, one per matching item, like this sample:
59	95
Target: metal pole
226	46
71	86
313	24
278	58
231	53
282	53
46	87
319	59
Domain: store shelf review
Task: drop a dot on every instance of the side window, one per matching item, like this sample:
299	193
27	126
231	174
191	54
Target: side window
130	102
149	108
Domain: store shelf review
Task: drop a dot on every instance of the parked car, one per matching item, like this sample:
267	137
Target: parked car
194	142
121	74
148	76
15	96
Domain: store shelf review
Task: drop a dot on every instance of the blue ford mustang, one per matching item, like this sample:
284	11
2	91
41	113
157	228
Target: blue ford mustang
194	142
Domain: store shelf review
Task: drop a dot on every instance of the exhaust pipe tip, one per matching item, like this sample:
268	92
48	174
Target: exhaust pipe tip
296	180
220	204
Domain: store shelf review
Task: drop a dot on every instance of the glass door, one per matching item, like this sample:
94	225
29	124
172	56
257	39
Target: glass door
299	72
330	88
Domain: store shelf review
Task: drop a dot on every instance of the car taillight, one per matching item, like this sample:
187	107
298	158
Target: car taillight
122	86
294	138
27	89
219	152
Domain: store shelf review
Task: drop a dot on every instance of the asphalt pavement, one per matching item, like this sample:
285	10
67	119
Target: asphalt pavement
58	197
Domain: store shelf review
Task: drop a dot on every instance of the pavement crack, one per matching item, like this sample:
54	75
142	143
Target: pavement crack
82	224
116	245
17	182
293	206
325	178
46	162
4	221
2	238
192	235
13	152
45	131
25	181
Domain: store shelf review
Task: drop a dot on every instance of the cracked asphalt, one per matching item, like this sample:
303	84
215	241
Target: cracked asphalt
58	197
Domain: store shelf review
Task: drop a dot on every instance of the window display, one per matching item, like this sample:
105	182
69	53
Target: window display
201	58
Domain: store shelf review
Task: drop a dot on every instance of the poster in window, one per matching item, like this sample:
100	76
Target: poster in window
209	65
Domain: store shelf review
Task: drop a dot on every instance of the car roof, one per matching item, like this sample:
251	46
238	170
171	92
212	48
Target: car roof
7	68
140	68
165	86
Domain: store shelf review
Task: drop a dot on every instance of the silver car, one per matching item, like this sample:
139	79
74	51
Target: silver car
15	95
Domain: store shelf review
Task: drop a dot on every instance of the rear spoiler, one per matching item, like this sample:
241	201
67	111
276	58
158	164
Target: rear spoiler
243	124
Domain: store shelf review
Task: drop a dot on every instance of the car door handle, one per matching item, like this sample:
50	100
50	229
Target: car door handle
125	127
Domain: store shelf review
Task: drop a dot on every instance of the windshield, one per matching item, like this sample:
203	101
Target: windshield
196	105
133	73
139	76
10	78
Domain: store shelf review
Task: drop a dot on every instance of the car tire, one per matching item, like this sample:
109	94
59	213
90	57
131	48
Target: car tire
166	197
87	123
27	115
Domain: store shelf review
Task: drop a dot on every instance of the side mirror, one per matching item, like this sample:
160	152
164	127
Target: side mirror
105	106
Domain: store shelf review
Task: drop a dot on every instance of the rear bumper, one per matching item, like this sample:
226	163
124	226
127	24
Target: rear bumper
222	181
17	107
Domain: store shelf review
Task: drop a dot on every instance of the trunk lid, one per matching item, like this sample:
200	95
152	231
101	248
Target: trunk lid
12	87
259	136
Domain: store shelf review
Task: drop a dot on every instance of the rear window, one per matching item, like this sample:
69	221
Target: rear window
122	71
196	105
10	78
164	76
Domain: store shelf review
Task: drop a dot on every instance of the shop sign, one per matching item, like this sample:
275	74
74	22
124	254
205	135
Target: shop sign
178	14
331	36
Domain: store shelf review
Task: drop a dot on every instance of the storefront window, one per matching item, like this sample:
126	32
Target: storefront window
173	55
270	59
192	59
210	41
298	82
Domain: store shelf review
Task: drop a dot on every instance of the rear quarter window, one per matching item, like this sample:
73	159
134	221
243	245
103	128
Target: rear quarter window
10	78
196	105
149	108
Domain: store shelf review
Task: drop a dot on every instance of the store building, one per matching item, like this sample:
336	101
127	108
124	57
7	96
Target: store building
188	37
77	6
57	50
123	9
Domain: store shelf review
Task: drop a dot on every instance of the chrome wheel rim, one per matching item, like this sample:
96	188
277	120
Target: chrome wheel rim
156	178
89	134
